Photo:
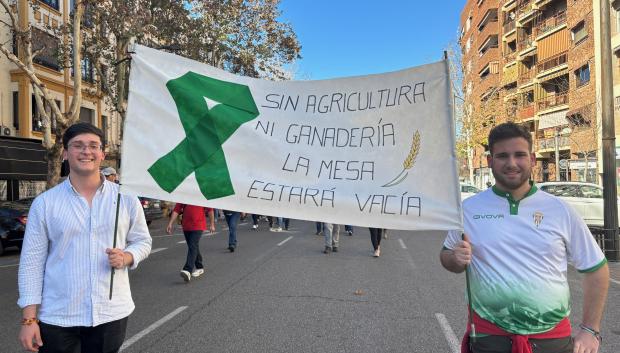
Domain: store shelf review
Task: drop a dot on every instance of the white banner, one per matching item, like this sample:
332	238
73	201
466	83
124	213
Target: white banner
373	150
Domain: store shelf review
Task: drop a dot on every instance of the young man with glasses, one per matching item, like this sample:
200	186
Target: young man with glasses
67	256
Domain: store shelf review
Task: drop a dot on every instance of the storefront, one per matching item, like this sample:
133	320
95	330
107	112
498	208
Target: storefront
23	168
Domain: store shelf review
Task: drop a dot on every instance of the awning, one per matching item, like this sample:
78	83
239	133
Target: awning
22	159
552	120
546	77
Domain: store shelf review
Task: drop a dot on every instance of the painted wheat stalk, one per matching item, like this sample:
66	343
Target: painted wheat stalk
409	161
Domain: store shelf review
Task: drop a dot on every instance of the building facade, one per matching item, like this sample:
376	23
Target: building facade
546	80
19	119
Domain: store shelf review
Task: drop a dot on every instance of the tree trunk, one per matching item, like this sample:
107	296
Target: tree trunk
54	163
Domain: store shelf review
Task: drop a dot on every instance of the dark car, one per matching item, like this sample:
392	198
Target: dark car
13	218
152	209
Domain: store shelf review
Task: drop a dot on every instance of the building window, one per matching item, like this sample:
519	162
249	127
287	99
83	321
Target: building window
15	46
88	70
49	46
16	109
582	75
106	129
86	115
37	118
617	103
51	3
579	33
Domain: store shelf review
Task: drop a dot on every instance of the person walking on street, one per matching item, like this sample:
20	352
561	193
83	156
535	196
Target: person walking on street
193	223
332	235
376	234
517	259
255	219
319	228
232	219
349	230
67	258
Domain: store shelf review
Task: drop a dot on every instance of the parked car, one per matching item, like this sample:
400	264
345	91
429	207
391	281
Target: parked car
152	209
468	191
13	218
585	198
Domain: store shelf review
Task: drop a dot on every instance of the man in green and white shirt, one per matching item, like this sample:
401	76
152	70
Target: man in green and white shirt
518	243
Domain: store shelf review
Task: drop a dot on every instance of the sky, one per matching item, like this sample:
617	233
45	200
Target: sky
342	38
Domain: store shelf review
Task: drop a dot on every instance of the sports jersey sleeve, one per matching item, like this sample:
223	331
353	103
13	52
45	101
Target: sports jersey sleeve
453	237
583	251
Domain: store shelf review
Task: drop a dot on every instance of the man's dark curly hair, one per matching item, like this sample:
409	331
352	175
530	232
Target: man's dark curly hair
507	131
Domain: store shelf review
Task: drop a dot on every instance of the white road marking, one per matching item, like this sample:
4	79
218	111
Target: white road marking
181	242
402	244
13	265
453	342
151	328
614	281
410	261
157	250
285	240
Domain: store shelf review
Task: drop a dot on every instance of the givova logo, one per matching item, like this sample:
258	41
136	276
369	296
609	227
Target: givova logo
488	216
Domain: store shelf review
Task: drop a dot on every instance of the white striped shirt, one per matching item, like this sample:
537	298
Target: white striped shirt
63	265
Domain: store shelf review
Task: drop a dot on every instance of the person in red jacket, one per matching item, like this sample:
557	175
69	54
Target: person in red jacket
194	223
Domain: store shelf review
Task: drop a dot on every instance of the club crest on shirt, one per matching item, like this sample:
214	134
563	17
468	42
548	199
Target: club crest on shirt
538	217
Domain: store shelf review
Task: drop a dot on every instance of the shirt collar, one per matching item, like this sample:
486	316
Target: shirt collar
100	189
507	195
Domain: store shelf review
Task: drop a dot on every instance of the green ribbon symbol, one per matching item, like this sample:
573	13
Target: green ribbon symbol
207	127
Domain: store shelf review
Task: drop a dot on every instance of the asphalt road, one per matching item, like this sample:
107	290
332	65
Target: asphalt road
279	293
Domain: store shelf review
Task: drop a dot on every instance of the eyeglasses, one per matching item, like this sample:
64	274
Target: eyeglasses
93	147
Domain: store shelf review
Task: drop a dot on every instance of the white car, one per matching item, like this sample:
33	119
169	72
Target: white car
585	198
468	191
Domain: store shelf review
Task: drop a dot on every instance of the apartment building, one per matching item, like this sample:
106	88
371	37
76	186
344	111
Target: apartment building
546	51
23	168
481	55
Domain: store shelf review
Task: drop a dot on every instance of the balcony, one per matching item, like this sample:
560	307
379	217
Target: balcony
550	23
552	101
508	92
509	26
490	16
525	10
491	54
526	112
525	77
510	74
549	143
525	43
552	62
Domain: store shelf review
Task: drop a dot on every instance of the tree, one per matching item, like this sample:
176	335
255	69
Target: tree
244	37
55	122
241	36
473	117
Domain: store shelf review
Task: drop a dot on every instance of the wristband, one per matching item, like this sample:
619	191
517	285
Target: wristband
592	331
30	321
